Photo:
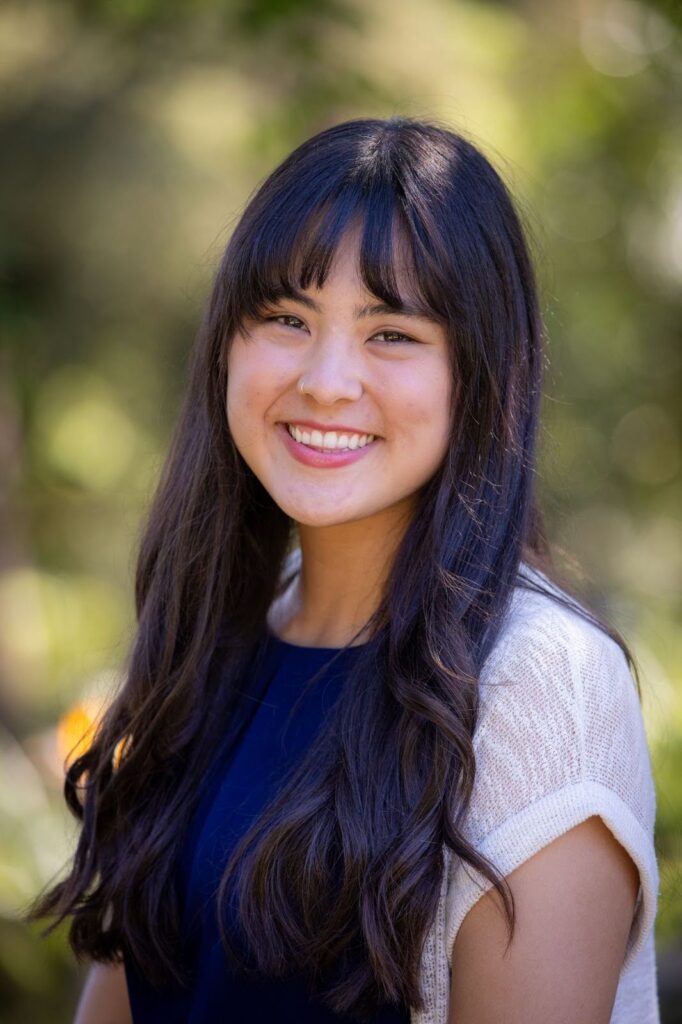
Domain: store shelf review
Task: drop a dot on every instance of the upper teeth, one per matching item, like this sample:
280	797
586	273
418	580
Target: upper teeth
330	439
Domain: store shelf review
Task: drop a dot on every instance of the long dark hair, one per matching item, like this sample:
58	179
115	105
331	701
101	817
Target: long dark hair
340	875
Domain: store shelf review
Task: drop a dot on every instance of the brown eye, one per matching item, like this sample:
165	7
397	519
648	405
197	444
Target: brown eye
285	316
396	337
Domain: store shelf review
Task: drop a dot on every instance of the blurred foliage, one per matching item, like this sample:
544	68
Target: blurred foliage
131	134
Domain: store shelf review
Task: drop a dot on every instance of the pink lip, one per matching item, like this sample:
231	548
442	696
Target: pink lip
321	460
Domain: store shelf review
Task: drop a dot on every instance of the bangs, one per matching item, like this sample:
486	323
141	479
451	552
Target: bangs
293	250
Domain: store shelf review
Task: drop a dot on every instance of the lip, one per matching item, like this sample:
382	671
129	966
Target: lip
322	460
338	428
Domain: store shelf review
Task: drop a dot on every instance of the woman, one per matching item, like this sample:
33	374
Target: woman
365	737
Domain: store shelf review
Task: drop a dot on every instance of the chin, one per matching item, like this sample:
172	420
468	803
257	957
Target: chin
306	518
311	512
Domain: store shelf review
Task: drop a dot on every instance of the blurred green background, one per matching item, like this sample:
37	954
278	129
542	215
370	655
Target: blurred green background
131	134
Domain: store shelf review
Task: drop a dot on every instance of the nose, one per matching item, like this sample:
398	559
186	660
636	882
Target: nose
331	373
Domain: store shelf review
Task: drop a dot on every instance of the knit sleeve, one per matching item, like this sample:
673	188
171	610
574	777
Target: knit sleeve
560	738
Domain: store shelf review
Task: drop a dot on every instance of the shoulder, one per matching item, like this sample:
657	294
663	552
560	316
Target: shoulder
559	707
552	663
560	738
544	624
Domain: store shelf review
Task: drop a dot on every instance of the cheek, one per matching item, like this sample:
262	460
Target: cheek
252	385
423	403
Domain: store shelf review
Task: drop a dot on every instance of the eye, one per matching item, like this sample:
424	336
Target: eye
397	337
281	317
391	337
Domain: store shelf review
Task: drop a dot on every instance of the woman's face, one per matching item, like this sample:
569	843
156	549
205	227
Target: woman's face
362	375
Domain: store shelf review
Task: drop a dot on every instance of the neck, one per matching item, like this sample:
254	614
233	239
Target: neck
344	569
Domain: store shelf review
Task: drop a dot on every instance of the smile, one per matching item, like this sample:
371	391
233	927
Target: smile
348	448
330	440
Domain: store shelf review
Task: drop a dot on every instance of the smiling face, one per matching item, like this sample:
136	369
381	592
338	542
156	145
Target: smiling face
384	374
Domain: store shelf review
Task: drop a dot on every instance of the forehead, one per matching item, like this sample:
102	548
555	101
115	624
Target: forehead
348	266
357	248
347	258
371	247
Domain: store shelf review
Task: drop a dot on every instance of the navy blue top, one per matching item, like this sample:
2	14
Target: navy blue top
243	778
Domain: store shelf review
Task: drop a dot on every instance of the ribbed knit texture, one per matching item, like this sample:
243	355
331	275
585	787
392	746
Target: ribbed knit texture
560	738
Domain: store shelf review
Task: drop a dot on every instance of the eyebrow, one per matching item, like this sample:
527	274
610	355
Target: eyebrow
404	308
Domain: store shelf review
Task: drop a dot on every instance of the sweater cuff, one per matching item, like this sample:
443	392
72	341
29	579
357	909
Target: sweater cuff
539	824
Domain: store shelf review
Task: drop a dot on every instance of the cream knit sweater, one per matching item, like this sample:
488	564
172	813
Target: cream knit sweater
560	738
